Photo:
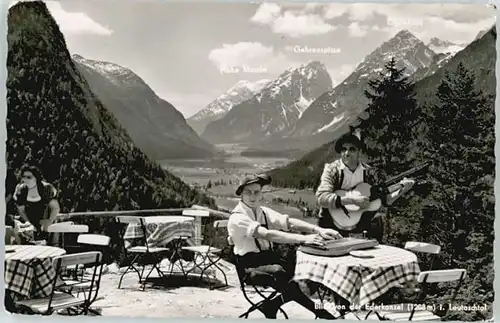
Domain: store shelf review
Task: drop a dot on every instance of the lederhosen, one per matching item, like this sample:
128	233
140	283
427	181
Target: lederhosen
374	228
265	267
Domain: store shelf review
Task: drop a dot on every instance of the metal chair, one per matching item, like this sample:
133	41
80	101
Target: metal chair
265	293
416	311
82	285
208	253
62	229
143	255
59	298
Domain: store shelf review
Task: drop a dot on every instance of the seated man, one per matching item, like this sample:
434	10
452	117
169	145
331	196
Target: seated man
253	229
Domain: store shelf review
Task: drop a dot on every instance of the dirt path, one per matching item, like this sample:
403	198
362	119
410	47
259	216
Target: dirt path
177	297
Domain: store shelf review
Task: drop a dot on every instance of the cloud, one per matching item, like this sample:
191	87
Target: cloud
461	20
293	23
298	25
250	54
76	22
242	53
357	30
266	13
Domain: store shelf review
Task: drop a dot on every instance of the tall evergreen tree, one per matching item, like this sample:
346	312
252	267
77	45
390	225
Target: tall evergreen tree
390	132
392	114
461	144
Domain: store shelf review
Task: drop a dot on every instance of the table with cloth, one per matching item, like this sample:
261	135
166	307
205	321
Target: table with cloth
29	272
357	280
161	230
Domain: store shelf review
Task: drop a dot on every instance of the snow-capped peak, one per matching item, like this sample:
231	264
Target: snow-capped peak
241	91
444	46
105	68
404	47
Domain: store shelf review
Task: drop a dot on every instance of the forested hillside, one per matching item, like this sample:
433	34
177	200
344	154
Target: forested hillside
55	122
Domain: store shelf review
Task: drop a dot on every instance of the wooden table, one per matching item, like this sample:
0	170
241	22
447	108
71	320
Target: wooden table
29	271
360	280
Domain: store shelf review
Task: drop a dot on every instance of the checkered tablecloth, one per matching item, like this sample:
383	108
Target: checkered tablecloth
161	230
29	271
360	280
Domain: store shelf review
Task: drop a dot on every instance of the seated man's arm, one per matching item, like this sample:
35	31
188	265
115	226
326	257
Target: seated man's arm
242	225
279	236
325	194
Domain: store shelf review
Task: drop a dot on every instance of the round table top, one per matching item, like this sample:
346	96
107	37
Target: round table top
168	219
383	256
28	252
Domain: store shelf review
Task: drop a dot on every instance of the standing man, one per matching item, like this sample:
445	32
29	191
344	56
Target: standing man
346	173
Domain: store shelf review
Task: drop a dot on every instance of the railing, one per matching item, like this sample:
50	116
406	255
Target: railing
154	212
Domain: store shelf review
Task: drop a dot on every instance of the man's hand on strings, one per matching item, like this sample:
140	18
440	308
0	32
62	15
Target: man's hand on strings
328	234
314	239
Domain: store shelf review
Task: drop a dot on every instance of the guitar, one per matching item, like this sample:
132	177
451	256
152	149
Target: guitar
348	217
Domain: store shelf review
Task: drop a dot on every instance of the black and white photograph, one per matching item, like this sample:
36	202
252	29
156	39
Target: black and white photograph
250	160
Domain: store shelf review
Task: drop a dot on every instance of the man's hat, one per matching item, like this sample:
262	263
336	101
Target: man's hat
262	179
349	138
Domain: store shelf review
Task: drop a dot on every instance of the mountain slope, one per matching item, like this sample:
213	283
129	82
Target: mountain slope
56	122
479	57
275	109
218	108
154	125
336	108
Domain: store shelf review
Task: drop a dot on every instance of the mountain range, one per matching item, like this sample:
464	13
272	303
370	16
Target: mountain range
154	125
275	109
281	118
478	57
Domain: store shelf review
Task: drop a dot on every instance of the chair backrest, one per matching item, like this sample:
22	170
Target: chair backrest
441	276
221	224
91	260
195	212
82	258
129	219
423	247
94	239
63	223
68	228
135	220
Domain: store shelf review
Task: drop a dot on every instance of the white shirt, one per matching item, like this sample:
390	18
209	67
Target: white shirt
351	179
242	236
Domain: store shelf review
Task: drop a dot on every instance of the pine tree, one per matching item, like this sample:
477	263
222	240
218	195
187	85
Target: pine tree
461	144
392	116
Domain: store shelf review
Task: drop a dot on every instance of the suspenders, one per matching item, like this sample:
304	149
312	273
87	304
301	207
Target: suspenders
265	226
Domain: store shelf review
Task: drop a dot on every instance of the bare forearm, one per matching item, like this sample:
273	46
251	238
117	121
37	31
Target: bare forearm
281	237
22	213
302	226
54	212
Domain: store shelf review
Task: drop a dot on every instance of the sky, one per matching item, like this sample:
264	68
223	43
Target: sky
190	53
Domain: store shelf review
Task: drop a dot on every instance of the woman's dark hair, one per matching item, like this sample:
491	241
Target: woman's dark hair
33	170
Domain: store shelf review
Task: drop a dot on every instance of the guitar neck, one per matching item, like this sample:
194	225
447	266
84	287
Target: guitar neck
397	178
